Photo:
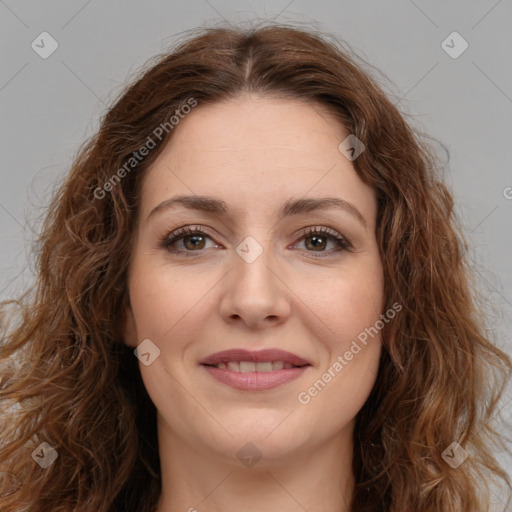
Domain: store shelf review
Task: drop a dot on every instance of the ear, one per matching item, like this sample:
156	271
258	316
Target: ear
129	328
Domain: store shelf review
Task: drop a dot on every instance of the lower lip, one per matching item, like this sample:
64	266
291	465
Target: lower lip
255	380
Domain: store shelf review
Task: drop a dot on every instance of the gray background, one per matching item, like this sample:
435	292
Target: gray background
49	106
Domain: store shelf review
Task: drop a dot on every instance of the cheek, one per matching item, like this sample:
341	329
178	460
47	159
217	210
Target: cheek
162	299
349	305
350	311
359	305
347	300
357	319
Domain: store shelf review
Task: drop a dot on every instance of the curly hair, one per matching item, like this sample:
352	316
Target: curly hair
68	379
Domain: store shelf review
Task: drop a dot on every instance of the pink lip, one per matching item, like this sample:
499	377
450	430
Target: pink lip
255	380
259	356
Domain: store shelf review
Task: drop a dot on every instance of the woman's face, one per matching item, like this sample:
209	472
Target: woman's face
256	279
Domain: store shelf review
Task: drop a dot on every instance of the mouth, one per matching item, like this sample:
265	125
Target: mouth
251	366
245	370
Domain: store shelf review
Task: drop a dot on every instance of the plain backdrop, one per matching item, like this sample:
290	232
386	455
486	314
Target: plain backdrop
447	64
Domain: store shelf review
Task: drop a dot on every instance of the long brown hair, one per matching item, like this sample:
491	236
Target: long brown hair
68	380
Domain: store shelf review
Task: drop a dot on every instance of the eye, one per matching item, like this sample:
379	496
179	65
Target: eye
317	238
192	239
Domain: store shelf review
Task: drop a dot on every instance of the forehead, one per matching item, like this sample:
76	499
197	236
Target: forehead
256	151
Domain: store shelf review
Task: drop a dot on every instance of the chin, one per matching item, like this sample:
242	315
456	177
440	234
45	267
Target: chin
272	444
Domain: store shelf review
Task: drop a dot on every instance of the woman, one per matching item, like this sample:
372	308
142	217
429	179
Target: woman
256	223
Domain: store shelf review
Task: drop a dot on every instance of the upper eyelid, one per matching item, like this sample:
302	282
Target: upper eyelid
193	228
190	230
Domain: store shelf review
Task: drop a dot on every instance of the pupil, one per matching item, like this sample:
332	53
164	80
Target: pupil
317	241
194	244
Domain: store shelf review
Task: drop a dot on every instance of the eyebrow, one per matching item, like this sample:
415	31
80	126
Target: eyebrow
290	207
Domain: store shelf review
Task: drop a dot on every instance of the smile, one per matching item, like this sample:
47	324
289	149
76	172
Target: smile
254	371
251	366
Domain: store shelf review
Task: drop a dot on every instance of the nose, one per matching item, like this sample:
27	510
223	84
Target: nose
255	293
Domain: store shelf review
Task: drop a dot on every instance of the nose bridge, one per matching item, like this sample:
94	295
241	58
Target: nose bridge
253	265
254	292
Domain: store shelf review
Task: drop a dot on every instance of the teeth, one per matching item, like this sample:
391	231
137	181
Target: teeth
251	366
234	366
264	367
247	366
277	365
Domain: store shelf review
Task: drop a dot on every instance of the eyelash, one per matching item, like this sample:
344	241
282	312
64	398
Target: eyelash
342	242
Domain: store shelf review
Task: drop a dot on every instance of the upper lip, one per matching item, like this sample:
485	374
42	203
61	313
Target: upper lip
239	354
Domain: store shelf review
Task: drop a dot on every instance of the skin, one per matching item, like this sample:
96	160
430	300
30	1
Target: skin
254	153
